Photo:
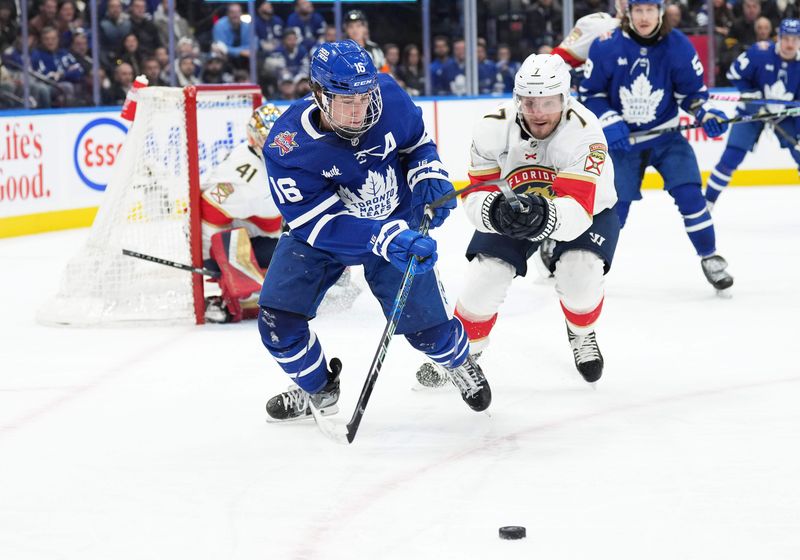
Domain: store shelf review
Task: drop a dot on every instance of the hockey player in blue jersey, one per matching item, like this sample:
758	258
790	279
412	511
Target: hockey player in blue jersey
352	180
636	80
764	71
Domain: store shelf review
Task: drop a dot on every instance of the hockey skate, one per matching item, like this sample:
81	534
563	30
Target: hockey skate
432	376
471	383
588	358
714	269
294	404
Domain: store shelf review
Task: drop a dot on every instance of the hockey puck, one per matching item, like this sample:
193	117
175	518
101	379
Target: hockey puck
512	532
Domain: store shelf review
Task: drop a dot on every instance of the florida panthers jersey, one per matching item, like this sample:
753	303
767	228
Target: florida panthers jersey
235	195
761	69
574	49
331	191
571	166
642	85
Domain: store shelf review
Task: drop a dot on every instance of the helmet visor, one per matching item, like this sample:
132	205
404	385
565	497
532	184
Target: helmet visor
539	105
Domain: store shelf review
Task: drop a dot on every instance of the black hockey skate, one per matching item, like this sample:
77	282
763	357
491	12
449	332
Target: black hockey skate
588	358
215	311
471	383
432	376
294	403
714	269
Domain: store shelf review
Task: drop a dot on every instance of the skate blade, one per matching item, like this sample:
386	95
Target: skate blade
332	430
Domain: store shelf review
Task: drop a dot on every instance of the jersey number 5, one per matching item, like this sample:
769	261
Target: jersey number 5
286	190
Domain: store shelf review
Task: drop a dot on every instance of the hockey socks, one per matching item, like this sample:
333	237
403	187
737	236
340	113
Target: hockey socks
722	173
696	218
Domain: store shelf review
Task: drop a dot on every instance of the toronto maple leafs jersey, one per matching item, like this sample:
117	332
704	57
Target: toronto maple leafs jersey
332	191
574	49
642	85
234	196
762	69
571	166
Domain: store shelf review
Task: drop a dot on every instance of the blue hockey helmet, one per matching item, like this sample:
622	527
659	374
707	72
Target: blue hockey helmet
345	84
789	26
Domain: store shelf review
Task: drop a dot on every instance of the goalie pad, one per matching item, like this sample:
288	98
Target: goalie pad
241	277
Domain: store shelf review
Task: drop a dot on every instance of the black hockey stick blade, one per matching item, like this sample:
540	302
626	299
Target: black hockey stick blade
173	264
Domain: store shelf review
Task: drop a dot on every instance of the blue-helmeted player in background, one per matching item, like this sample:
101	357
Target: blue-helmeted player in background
764	71
637	79
352	180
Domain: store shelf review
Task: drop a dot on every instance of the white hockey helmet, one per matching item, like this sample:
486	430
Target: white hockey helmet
542	75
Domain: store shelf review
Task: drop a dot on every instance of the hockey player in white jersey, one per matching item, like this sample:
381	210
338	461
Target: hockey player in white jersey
574	49
552	152
240	223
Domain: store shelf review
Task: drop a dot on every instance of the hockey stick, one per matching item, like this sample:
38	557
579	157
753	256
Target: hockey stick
173	264
650	134
757	100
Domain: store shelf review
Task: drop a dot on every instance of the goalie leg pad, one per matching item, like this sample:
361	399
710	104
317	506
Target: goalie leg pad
295	347
241	276
580	286
446	344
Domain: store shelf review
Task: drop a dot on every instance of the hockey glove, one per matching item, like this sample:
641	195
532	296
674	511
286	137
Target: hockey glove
535	221
397	244
713	121
617	136
427	191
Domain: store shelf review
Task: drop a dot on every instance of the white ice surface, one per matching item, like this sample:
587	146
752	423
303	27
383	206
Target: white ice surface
150	443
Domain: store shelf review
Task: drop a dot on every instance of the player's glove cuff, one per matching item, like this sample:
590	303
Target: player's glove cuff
486	211
383	234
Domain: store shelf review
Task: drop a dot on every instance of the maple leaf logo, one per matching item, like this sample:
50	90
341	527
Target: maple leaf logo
639	103
376	198
777	91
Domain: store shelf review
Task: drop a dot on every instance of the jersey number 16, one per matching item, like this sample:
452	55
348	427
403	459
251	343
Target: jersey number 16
286	190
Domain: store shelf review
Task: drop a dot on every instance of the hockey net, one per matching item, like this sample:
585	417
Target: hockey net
151	206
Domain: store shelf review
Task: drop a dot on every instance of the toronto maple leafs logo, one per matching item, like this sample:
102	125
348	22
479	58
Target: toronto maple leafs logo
777	91
377	197
284	141
639	103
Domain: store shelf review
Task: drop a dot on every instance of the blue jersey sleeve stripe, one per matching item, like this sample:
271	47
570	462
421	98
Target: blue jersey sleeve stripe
321	224
306	217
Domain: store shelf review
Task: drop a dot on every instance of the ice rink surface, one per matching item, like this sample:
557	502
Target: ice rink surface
150	443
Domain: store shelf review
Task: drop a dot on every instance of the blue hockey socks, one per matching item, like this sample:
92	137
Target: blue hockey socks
696	218
721	175
446	344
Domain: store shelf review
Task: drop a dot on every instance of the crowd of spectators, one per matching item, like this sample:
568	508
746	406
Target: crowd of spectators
212	44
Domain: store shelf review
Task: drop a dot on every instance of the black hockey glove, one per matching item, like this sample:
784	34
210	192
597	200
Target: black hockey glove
535	221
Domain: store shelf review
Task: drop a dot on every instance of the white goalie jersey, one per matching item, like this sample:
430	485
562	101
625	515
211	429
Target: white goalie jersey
571	166
237	194
574	49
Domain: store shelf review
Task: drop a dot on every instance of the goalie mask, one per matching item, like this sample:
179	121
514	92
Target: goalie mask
260	124
345	86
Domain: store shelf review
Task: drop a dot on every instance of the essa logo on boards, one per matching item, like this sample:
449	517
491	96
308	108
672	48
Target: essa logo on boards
96	150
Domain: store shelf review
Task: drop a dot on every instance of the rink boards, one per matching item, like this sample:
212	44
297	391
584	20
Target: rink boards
54	165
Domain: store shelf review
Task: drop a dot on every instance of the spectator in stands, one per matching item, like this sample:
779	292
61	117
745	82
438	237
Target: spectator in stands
330	34
152	71
723	17
186	71
57	64
234	33
187	46
144	28
123	81
586	7
392	56
162	56
11	80
767	8
80	50
9	27
161	20
506	68
452	77
46	17
356	28
672	15
291	57
216	70
788	8
544	22
441	54
269	28
113	29
302	86
411	72
68	21
131	53
286	89
763	28
743	29
308	24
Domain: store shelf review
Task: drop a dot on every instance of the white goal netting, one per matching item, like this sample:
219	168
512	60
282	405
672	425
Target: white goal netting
148	207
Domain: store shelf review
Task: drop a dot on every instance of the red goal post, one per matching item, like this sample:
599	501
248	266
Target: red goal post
152	205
